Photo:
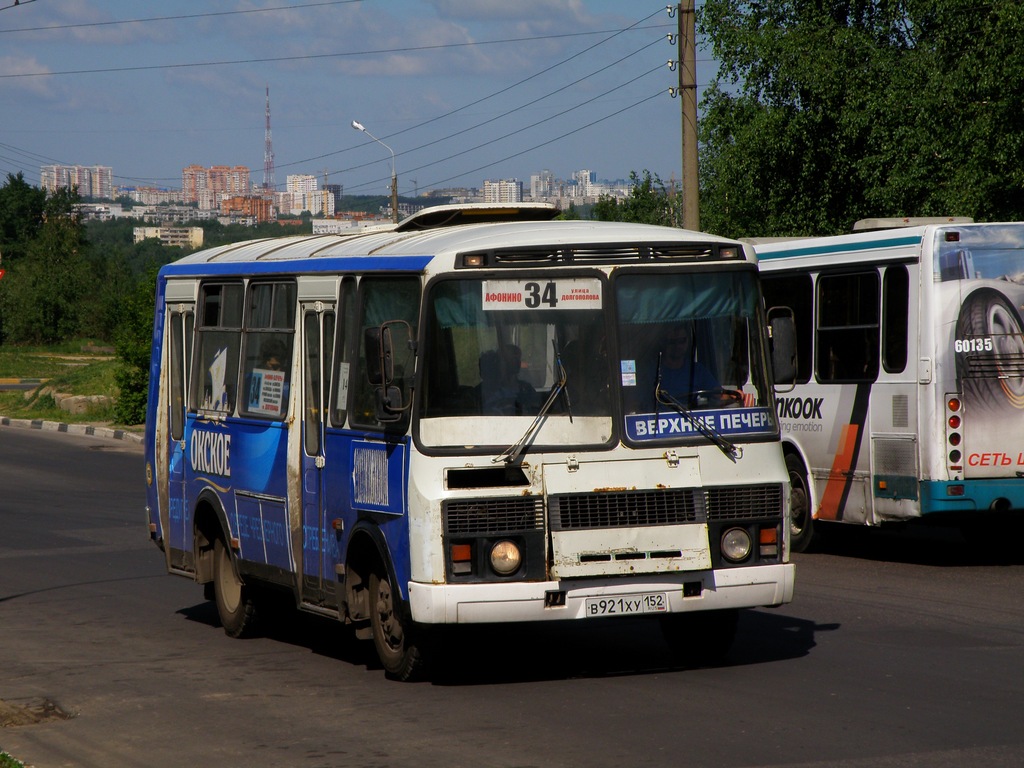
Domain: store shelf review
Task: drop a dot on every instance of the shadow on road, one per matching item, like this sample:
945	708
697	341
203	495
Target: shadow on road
510	653
983	542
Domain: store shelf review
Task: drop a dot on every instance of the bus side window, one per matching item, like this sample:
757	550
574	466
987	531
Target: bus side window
347	351
269	337
797	293
219	336
847	348
180	340
895	316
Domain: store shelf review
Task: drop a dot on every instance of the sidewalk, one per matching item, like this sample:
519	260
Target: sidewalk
7	383
73	429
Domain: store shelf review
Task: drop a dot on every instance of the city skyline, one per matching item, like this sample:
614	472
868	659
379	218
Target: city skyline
461	91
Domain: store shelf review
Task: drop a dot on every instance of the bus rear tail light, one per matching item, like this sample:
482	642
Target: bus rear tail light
954	423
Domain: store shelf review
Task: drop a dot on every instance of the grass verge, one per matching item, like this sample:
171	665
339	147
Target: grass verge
6	761
79	369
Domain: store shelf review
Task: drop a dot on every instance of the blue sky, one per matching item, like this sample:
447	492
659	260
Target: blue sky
461	90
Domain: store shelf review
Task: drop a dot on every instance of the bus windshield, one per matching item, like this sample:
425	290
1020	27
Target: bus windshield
501	348
689	347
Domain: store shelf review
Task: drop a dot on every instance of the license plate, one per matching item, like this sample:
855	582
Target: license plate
626	605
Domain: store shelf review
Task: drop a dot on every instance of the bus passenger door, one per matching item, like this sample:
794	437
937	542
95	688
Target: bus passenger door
319	545
179	354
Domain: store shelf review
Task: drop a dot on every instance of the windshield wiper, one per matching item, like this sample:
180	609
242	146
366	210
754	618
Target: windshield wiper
511	453
662	397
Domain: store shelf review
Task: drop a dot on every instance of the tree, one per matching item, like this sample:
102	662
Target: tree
21	215
46	287
133	342
649	202
827	111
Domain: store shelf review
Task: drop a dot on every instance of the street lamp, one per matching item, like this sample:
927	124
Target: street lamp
394	178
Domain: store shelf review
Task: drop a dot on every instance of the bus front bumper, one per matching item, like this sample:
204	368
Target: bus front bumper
764	585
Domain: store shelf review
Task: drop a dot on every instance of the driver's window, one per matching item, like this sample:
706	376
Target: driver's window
384	300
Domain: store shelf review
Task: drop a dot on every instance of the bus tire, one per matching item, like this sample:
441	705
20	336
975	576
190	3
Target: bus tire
801	521
988	314
700	638
396	644
236	605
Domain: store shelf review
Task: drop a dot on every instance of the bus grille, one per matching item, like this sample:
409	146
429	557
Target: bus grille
625	509
473	517
621	509
745	502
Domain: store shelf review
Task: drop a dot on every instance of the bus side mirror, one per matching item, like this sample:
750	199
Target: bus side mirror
380	355
782	330
380	370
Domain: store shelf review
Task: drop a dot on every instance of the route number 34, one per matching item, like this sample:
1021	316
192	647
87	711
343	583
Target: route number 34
973	345
540	293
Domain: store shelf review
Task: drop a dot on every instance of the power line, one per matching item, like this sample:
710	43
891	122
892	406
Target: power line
16	3
168	18
417	126
309	57
550	141
513	133
504	114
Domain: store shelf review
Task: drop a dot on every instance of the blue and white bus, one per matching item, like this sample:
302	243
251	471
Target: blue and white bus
464	418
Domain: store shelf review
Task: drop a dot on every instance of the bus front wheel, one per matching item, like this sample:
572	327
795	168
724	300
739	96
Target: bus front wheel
397	648
801	522
235	603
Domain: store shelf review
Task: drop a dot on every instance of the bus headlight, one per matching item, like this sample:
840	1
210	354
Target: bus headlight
505	558
736	545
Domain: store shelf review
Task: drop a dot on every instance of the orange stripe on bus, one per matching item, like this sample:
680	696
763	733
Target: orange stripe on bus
838	477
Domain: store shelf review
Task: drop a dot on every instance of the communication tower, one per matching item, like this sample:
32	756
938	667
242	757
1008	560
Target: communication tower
268	154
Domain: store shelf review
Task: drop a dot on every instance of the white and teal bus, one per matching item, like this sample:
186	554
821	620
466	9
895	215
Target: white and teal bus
464	418
909	401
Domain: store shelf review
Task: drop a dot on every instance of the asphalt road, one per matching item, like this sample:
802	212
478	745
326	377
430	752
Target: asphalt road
900	649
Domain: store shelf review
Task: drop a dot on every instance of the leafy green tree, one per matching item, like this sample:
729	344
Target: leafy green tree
133	342
649	202
824	112
45	296
21	215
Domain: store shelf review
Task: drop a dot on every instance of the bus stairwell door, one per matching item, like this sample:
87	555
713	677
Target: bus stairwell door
179	335
319	540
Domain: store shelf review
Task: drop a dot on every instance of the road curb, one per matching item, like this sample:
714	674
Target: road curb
87	430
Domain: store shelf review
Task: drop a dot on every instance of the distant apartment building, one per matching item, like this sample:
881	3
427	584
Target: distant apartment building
503	191
302	193
150	195
185	237
96	181
585	182
543	185
207	187
250	207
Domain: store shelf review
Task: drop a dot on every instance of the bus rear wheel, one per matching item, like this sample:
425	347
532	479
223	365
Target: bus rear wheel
236	605
801	522
397	647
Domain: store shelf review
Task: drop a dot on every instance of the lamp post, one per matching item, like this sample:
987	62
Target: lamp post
394	178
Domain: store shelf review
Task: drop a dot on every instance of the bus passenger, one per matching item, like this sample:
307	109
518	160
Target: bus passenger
502	392
681	374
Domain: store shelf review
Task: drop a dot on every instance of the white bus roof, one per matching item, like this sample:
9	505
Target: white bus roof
588	238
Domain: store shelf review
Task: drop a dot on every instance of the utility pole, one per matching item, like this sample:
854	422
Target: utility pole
687	40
